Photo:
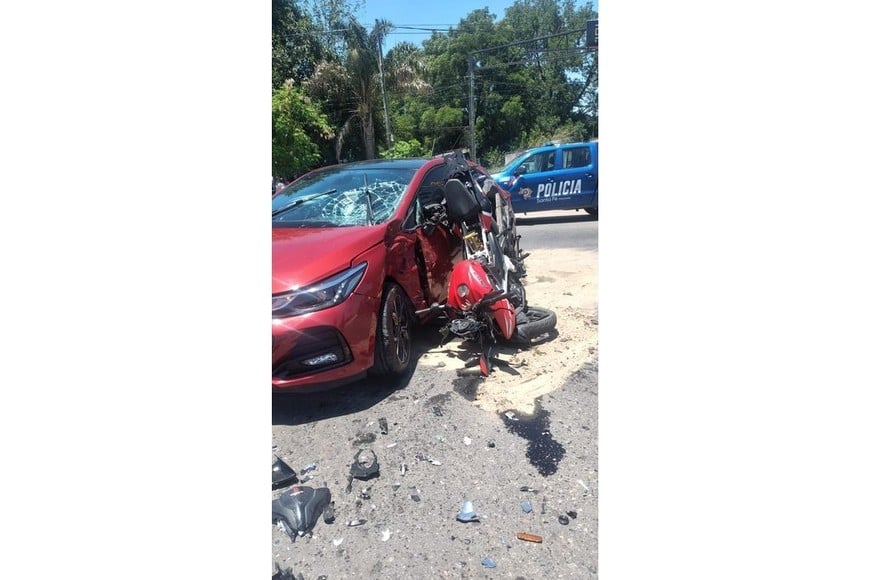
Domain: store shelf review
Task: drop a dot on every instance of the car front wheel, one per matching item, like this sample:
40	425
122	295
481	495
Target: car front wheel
393	337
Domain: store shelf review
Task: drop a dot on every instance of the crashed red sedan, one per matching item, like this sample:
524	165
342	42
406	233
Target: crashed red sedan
350	264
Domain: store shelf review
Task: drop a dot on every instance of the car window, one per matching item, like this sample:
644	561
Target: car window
316	204
431	190
577	157
540	162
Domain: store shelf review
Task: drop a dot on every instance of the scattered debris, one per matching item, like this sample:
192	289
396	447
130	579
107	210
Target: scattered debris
529	537
404	469
364	494
391	445
527	488
467	513
488	562
527	506
354	523
385	535
439	412
366	467
308	468
466	440
279	574
563	520
415	497
337	542
298	509
365	439
573	514
434	461
583	484
490	443
282	474
511	415
382	423
329	513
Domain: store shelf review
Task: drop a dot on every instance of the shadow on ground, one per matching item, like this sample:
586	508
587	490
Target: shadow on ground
531	220
336	401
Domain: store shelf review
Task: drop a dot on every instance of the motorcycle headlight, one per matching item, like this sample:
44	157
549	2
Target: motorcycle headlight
462	290
326	293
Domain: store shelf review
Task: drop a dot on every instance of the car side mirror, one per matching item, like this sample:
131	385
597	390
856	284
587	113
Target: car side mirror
521	170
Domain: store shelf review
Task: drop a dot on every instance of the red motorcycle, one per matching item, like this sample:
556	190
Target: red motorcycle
486	301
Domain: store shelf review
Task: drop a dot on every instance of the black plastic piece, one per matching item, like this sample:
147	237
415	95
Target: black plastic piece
282	474
364	469
299	507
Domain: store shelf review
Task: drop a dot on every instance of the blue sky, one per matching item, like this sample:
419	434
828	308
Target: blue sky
439	14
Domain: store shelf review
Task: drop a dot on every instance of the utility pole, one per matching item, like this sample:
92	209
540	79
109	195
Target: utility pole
471	64
472	146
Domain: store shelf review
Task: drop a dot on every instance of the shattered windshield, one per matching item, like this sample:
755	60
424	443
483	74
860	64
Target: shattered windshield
340	196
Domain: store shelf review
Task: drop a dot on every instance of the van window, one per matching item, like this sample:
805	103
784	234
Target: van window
577	157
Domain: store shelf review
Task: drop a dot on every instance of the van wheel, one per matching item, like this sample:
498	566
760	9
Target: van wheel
393	337
592	211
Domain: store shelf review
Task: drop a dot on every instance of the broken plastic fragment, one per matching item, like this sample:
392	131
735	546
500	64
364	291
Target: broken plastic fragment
488	562
583	484
529	537
385	535
391	445
415	497
490	443
364	468
404	469
309	467
382	423
526	488
573	514
354	523
329	513
434	462
466	440
298	509
527	506
337	542
563	520
467	513
282	474
364	494
511	415
279	574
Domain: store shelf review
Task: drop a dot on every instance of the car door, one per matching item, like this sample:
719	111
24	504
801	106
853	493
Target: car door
574	183
423	257
529	186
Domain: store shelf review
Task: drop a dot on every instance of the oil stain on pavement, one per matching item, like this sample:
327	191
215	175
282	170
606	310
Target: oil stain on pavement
542	451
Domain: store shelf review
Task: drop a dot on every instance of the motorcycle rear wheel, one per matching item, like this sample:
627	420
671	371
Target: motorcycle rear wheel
537	322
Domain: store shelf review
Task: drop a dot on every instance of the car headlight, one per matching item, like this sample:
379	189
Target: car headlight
326	293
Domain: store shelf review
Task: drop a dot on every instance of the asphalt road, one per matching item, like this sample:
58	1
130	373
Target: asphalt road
439	450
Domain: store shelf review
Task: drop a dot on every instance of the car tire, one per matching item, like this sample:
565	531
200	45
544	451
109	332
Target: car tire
592	211
393	336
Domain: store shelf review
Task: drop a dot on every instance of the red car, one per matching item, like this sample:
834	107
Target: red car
350	264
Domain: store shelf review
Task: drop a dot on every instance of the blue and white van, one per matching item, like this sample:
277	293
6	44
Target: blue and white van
555	176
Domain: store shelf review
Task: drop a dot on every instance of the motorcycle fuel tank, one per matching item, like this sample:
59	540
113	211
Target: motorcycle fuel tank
468	285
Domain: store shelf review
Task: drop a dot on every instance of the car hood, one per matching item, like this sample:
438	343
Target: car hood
302	256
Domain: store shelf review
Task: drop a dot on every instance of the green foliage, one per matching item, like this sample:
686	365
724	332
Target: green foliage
404	149
297	128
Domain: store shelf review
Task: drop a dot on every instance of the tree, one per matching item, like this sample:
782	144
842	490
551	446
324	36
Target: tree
296	46
297	127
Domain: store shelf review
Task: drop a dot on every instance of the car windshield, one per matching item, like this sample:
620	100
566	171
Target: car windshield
339	196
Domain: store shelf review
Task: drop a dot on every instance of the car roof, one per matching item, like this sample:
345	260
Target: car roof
411	163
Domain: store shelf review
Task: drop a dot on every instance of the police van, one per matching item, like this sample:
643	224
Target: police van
554	176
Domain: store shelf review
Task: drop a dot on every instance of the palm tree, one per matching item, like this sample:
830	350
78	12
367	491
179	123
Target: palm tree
353	86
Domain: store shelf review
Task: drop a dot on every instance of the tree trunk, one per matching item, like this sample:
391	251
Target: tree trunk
368	127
